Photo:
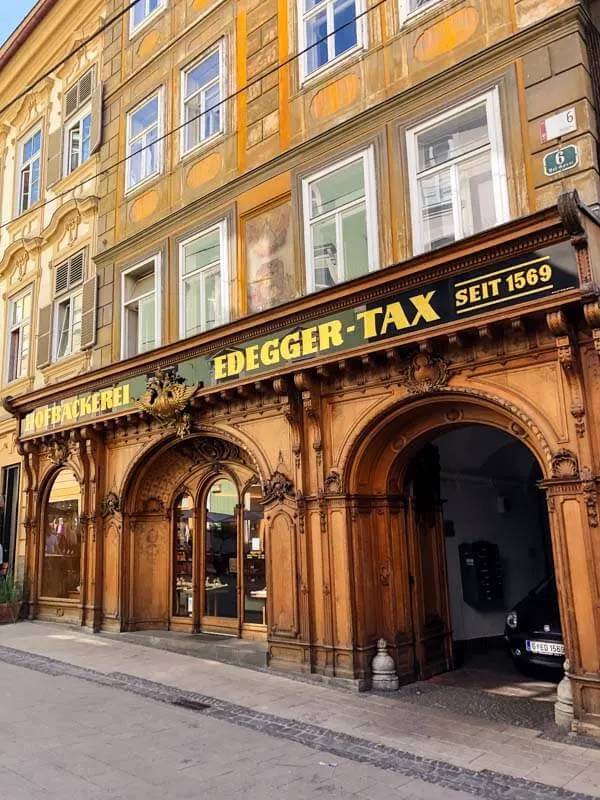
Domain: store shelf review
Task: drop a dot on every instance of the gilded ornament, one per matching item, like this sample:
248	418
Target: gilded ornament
166	399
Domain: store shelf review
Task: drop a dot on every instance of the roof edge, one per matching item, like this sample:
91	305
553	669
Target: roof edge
20	35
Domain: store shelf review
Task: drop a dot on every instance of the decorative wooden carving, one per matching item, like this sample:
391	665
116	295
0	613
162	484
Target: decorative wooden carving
111	505
559	327
153	505
58	452
590	492
278	487
425	373
333	481
166	400
564	464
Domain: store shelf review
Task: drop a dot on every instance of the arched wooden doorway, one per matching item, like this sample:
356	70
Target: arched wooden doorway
400	582
194	541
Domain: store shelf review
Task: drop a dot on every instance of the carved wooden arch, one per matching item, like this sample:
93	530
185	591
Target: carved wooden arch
402	426
171	451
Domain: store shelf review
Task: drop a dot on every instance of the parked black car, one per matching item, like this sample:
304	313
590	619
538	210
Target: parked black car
533	631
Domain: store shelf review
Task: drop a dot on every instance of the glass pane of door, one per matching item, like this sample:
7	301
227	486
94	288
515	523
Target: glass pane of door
183	557
61	575
255	582
220	585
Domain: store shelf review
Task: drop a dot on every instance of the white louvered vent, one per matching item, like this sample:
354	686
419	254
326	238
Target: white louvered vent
85	86
70	273
61	281
71	101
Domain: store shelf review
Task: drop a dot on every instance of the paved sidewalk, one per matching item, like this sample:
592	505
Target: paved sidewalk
459	743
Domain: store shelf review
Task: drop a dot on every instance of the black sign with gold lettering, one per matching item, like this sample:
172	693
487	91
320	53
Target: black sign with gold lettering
531	276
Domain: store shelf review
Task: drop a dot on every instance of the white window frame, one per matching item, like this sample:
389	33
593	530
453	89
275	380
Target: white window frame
220	47
148	17
497	161
58	301
23	164
10	328
361	37
406	14
157	259
368	157
224	245
76	119
160	143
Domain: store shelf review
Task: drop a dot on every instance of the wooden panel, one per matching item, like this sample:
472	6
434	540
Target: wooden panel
283	596
341	586
111	569
151	569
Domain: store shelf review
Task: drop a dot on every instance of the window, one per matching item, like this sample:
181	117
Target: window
19	333
457	174
202	96
410	7
329	30
68	292
144	152
78	128
142	11
341	222
141	308
61	566
221	550
203	281
183	563
29	174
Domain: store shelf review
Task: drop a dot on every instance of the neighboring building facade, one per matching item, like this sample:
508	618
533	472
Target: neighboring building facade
49	143
329	238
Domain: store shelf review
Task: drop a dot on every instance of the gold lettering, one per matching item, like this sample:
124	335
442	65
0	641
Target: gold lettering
425	311
269	352
252	357
117	396
330	334
290	346
70	411
39	418
220	367
106	399
369	320
461	297
394	315
309	341
474	294
56	414
29	423
95	403
126	395
235	363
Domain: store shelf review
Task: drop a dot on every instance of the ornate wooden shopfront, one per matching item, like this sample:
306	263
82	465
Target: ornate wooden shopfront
255	480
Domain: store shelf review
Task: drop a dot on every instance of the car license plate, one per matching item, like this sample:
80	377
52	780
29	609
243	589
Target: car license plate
545	648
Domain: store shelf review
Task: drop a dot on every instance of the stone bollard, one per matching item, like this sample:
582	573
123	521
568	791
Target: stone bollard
563	707
385	678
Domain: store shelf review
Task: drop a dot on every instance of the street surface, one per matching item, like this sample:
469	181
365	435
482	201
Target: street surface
88	717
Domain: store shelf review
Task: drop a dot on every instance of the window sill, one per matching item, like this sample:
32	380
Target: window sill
18	218
145	23
66	367
139	187
78	175
199	149
325	72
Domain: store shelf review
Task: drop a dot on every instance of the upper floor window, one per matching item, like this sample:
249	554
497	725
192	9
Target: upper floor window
329	29
457	174
78	128
141	308
341	222
19	334
29	171
202	98
203	281
142	11
410	7
68	306
144	151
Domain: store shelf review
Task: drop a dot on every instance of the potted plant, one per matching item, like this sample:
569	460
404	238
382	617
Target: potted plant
11	598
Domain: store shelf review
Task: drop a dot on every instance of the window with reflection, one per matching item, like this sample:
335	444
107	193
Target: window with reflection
220	586
61	571
183	557
255	583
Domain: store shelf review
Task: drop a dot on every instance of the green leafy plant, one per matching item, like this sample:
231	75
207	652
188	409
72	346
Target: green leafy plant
11	595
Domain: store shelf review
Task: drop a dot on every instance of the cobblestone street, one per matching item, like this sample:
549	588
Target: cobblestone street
88	717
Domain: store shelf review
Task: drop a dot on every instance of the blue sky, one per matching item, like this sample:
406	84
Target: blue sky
11	13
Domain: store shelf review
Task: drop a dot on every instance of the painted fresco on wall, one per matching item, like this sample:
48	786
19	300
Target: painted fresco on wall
269	258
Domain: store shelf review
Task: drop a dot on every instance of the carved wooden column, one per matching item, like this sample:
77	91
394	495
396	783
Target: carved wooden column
92	457
574	521
30	524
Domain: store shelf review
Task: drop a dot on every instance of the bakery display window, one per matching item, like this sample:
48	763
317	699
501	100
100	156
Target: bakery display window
255	582
61	567
221	554
183	602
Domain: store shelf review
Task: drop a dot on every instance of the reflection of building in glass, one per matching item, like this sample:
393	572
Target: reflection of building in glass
62	552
